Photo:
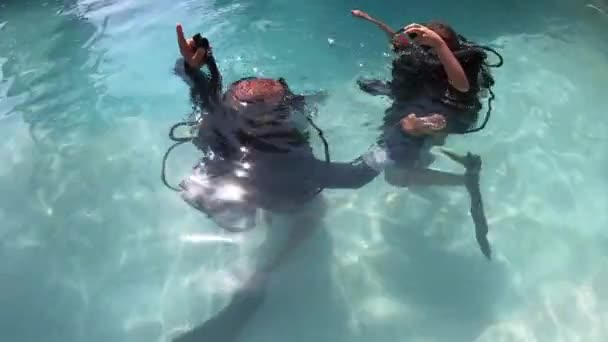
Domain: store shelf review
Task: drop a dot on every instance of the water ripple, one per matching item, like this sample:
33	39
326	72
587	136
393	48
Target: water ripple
89	231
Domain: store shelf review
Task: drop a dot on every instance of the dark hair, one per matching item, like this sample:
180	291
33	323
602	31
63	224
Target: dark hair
446	32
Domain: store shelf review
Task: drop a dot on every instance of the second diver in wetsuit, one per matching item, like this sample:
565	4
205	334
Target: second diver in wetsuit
435	70
437	76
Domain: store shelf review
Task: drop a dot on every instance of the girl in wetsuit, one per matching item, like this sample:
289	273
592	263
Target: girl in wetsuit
435	71
437	77
440	98
257	155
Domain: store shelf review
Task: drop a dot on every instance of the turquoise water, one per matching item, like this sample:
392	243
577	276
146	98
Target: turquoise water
94	248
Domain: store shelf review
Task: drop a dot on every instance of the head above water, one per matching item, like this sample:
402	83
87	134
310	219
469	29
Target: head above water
260	92
265	111
257	102
445	31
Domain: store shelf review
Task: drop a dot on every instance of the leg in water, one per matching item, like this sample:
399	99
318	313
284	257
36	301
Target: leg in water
229	323
401	177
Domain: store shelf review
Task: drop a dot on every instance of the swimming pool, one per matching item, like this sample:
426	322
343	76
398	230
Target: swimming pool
94	248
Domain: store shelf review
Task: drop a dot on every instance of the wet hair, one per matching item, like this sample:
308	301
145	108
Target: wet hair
262	110
262	100
447	33
257	90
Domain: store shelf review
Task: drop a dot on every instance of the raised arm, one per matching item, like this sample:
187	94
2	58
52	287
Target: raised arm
456	75
216	76
205	89
383	26
194	56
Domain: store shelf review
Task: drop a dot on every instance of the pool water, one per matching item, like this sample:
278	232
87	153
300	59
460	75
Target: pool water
94	248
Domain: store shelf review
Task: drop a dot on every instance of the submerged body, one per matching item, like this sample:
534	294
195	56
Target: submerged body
437	79
255	138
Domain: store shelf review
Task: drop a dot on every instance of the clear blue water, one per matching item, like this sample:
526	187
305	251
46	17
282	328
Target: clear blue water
94	248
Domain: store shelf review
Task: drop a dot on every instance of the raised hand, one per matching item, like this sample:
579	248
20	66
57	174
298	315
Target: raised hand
195	57
360	14
424	35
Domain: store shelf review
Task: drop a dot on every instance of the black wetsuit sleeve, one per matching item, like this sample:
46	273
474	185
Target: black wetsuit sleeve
352	175
205	90
216	77
375	87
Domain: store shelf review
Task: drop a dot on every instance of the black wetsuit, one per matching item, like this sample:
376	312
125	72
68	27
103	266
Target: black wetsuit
420	84
423	89
281	174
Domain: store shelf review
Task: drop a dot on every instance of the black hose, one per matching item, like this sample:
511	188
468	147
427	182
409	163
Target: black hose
492	95
325	149
489	49
323	140
500	62
178	141
488	114
179	124
163	176
486	48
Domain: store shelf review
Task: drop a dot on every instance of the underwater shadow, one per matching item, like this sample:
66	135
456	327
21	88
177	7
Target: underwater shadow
228	324
293	303
452	294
